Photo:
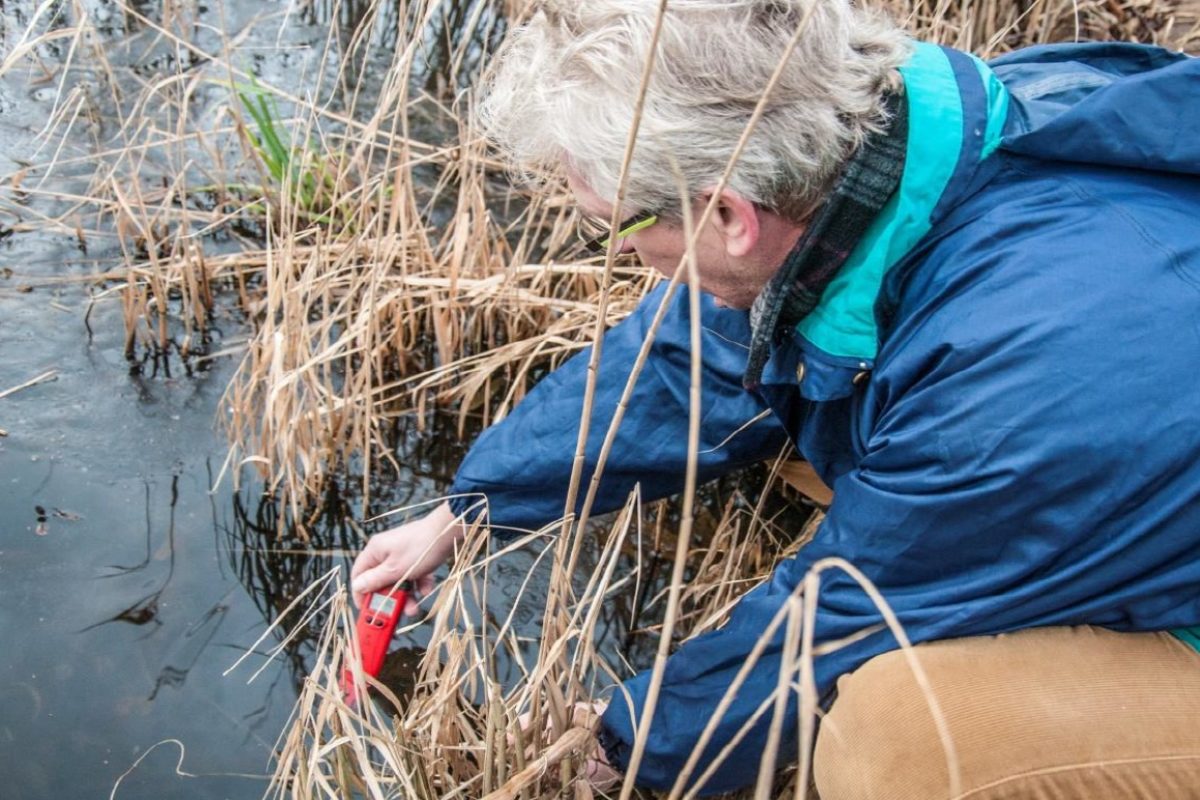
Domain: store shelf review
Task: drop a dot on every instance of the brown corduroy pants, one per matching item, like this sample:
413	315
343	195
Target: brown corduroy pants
1046	714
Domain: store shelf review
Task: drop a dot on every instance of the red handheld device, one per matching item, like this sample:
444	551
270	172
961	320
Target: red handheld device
376	623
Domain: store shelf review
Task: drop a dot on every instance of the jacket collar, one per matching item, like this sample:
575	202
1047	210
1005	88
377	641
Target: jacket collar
956	113
868	181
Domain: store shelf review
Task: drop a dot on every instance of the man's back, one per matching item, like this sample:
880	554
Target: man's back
1037	386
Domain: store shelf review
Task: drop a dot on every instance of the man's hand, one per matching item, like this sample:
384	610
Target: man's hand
410	552
598	772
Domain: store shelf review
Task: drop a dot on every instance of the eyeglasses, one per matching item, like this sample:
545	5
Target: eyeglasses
597	236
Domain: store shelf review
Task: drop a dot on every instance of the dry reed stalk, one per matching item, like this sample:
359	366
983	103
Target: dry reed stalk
568	546
992	27
48	375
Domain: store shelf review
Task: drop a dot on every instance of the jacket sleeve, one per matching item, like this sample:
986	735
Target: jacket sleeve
522	465
909	535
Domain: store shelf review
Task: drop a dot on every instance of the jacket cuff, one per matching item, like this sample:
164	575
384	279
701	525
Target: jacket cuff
618	723
616	751
467	506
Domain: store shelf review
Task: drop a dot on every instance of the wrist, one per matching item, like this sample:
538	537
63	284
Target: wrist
448	529
449	523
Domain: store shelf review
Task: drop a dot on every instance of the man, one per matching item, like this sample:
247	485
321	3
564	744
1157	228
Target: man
970	295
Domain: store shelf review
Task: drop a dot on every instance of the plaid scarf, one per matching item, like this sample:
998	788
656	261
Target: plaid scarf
869	179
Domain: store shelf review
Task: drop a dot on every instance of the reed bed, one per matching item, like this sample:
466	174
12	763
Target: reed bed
492	712
382	263
384	268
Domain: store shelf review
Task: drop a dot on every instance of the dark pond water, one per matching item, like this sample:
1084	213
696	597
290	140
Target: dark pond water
127	585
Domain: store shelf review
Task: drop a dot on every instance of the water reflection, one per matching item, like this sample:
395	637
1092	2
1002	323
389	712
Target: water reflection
185	651
144	610
276	556
275	563
455	38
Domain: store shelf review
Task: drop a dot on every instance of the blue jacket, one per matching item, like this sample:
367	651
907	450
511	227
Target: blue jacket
1026	451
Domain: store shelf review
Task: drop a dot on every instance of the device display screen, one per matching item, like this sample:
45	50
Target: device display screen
382	604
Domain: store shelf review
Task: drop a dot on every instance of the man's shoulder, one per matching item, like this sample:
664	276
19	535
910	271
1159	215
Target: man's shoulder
1052	237
1055	279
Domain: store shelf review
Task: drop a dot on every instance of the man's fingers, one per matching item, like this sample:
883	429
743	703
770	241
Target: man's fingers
372	580
599	774
381	579
423	586
366	559
360	581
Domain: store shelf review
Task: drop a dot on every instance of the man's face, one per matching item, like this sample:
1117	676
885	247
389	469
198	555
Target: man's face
734	260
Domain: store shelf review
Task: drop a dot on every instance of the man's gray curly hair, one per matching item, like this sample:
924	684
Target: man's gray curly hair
564	86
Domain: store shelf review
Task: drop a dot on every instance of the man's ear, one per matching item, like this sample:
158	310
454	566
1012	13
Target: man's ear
736	220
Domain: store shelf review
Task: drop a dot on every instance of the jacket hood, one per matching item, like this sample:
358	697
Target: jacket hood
1114	104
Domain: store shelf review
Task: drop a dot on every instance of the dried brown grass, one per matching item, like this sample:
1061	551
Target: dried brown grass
438	285
459	734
